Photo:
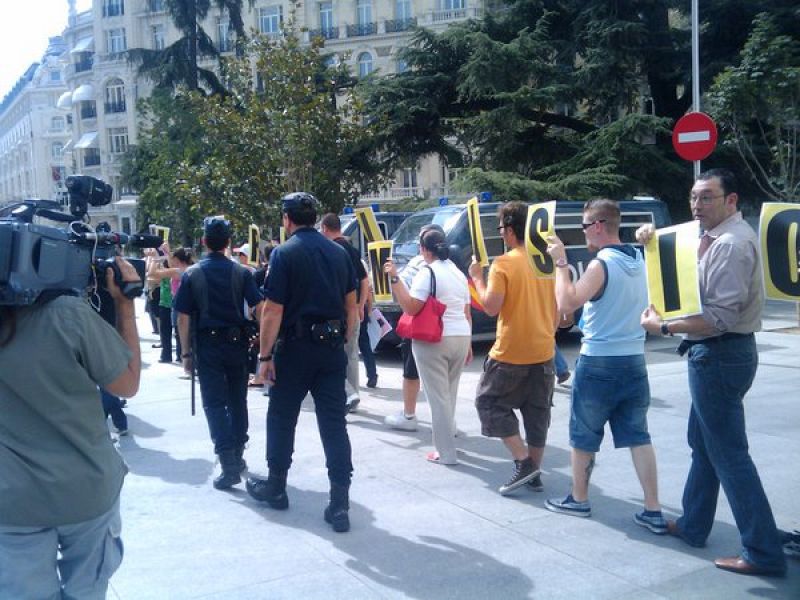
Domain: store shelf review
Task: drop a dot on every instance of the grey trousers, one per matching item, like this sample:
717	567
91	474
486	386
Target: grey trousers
440	367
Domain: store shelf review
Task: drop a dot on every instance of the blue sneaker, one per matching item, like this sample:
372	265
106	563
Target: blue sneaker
654	521
569	506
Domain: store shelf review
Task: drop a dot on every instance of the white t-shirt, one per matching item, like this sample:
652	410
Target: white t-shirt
451	290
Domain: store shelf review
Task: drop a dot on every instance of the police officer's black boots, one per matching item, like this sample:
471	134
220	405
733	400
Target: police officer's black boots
231	473
271	490
240	458
336	513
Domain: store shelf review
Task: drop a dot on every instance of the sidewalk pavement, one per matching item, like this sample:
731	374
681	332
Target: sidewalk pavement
427	531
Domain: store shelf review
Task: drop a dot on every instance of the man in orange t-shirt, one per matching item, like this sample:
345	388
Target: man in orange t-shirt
519	372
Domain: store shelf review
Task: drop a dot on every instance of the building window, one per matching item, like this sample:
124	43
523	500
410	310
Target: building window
453	4
326	16
113	8
55	75
118	140
270	19
57	124
126	225
57	150
115	40
402	10
364	64
409	178
88	109
115	96
401	66
159	40
364	12
224	36
91	157
156	5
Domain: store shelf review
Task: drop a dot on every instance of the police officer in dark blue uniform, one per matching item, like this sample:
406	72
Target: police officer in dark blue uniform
213	293
310	308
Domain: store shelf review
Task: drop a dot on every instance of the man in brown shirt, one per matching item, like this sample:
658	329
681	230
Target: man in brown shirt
722	364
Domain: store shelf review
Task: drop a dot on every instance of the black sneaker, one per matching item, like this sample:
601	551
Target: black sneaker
535	484
523	473
372	382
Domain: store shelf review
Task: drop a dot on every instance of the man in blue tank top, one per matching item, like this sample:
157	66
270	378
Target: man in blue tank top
610	384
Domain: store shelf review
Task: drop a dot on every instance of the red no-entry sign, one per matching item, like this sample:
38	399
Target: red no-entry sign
694	136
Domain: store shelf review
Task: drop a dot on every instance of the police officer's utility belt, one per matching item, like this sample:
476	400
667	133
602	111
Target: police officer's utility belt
329	332
684	346
231	335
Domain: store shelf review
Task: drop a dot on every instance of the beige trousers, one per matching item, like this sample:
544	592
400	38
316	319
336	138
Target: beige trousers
351	350
440	367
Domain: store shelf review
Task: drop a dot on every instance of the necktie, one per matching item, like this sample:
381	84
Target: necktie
705	242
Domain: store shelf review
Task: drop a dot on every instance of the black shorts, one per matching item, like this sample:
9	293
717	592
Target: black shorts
409	364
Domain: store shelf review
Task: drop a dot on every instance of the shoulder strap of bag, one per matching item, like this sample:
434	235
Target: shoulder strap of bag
433	281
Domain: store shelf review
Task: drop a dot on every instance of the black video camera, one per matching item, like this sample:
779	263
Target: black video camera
39	261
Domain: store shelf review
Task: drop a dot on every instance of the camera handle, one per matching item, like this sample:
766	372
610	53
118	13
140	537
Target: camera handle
130	289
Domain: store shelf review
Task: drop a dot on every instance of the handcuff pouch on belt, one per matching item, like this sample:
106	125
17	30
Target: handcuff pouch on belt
328	333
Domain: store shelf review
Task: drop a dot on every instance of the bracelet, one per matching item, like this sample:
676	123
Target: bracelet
394	279
665	329
187	355
562	264
266	358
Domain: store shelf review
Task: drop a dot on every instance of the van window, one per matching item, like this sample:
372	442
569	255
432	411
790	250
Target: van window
491	236
406	238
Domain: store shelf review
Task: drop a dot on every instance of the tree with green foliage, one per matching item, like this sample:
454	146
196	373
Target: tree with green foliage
757	105
557	98
177	64
281	127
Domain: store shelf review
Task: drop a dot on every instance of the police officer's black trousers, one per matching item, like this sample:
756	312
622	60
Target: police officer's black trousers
222	371
303	366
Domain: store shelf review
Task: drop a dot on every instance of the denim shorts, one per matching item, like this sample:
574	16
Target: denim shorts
613	390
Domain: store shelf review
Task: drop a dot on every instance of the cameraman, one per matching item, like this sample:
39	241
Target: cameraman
60	475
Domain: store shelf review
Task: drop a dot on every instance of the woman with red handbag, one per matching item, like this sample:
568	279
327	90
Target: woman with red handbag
437	318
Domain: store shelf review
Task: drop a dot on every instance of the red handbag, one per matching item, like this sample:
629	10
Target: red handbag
426	325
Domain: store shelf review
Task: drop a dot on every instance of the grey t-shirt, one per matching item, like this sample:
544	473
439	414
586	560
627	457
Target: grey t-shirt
58	464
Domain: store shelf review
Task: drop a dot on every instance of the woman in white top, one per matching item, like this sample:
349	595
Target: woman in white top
439	364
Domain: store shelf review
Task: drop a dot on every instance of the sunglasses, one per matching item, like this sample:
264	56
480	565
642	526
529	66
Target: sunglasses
587	225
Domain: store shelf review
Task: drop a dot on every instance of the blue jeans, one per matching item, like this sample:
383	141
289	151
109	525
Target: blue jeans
222	371
720	373
113	406
561	363
366	350
303	366
613	390
67	561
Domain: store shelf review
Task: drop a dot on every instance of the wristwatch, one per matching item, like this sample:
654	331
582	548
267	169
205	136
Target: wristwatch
266	358
665	329
394	279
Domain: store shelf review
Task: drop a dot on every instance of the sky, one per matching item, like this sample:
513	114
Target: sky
25	27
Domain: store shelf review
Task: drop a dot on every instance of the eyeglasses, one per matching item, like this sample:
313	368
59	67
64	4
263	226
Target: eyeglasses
703	199
501	227
587	225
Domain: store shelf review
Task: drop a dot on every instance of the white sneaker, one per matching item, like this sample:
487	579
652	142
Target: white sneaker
401	422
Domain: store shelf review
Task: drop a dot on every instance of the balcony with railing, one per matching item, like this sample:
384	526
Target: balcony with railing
326	33
362	29
456	14
115	107
398	25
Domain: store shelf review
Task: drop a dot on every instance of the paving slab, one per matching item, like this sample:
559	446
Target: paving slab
427	531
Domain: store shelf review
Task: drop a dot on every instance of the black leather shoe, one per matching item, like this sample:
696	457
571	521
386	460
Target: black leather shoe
269	491
226	480
372	382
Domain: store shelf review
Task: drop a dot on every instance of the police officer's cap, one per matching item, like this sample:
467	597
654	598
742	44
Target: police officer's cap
298	201
216	227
